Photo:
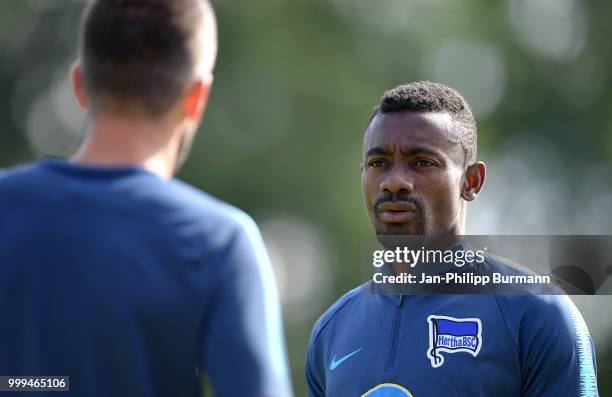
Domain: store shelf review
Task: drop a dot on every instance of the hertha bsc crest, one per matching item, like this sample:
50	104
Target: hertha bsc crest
452	335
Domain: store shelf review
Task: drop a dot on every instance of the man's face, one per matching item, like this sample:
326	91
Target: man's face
412	173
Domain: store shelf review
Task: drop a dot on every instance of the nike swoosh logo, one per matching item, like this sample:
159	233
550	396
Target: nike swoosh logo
334	364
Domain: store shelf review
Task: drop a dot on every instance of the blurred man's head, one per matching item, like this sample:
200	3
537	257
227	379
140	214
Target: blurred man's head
147	59
419	166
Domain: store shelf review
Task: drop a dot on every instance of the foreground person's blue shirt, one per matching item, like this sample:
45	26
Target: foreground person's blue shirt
134	286
451	345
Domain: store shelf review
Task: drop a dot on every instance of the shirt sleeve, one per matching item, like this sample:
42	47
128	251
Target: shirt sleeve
556	352
243	343
315	389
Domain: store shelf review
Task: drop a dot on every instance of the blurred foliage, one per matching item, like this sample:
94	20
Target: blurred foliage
295	84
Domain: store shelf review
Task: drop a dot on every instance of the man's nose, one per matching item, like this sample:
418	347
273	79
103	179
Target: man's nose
397	181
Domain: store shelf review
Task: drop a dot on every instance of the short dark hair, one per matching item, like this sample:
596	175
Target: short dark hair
427	96
145	52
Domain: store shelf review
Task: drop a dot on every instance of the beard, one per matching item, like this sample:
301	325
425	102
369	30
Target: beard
417	227
419	232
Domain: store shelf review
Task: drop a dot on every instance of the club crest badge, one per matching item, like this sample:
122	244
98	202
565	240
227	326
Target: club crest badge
453	335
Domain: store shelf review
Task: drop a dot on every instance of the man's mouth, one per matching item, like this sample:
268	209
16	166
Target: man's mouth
396	212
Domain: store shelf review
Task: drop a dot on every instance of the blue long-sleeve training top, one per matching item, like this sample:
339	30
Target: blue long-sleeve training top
514	345
134	286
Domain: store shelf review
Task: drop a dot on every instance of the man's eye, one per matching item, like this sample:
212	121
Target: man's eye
424	163
376	163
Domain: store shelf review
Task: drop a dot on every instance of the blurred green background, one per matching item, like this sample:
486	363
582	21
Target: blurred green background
294	86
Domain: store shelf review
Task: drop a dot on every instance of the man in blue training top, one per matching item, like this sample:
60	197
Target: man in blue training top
419	171
113	273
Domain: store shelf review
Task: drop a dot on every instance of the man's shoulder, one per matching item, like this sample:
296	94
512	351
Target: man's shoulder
24	183
538	308
528	309
17	173
327	317
208	208
529	299
173	204
542	318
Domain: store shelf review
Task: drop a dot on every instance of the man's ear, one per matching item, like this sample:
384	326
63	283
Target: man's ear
78	86
473	180
195	99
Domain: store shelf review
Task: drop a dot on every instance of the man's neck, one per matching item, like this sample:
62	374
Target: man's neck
115	142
